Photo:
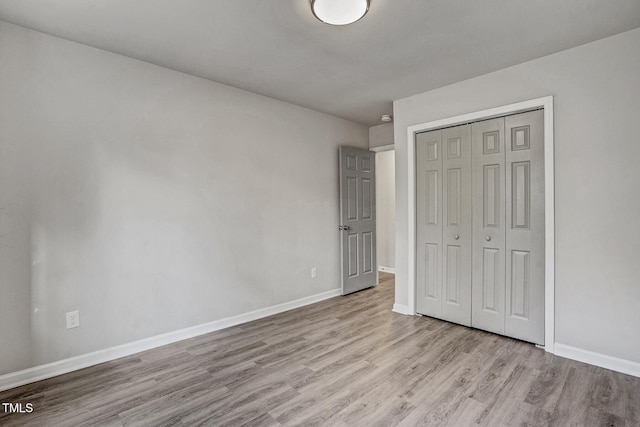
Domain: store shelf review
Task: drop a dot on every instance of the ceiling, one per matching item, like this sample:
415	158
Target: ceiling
278	49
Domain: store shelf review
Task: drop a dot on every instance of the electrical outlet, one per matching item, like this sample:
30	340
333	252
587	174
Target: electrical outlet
314	272
73	319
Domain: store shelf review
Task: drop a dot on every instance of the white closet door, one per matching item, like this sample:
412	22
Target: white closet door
480	225
456	225
525	226
443	170
429	223
488	277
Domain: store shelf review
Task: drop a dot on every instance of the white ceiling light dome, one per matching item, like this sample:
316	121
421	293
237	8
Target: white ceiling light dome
339	12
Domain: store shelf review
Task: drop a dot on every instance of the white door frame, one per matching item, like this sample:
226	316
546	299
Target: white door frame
549	220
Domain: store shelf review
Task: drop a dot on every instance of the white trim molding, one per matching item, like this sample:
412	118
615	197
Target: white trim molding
387	269
402	309
49	370
549	209
382	148
602	360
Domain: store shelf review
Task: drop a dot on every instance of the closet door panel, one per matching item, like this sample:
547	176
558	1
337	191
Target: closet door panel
525	226
488	247
456	237
429	223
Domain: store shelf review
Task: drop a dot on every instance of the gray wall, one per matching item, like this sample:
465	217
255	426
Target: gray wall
381	135
151	200
386	209
597	107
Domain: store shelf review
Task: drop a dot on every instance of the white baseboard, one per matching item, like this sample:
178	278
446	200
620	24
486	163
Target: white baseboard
402	309
602	360
60	367
387	269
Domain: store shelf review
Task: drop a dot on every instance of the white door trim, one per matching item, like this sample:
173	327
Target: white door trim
382	148
549	208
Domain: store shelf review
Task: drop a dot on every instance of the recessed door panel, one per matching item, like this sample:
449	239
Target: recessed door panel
519	285
520	137
454	146
520	195
367	252
431	269
452	279
366	164
431	196
352	250
432	149
491	141
490	280
454	202
491	195
351	162
352	198
367	198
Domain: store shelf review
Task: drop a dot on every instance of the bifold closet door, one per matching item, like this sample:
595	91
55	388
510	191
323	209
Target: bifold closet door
480	225
508	226
443	171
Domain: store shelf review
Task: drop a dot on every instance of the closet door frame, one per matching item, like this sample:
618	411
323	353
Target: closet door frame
546	103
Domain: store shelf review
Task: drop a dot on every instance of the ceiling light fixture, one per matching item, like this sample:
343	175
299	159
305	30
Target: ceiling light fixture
386	118
339	12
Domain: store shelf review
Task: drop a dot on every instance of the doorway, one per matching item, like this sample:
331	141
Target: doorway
386	210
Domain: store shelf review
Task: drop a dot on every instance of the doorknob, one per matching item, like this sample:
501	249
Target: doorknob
456	237
488	238
346	228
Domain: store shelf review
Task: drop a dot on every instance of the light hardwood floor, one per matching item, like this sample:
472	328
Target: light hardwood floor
348	361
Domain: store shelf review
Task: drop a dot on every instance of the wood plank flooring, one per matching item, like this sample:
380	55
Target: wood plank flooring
348	361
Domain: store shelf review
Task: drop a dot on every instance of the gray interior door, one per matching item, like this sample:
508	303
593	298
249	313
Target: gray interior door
357	219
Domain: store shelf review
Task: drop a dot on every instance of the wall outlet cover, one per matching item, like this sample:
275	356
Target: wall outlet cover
73	319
